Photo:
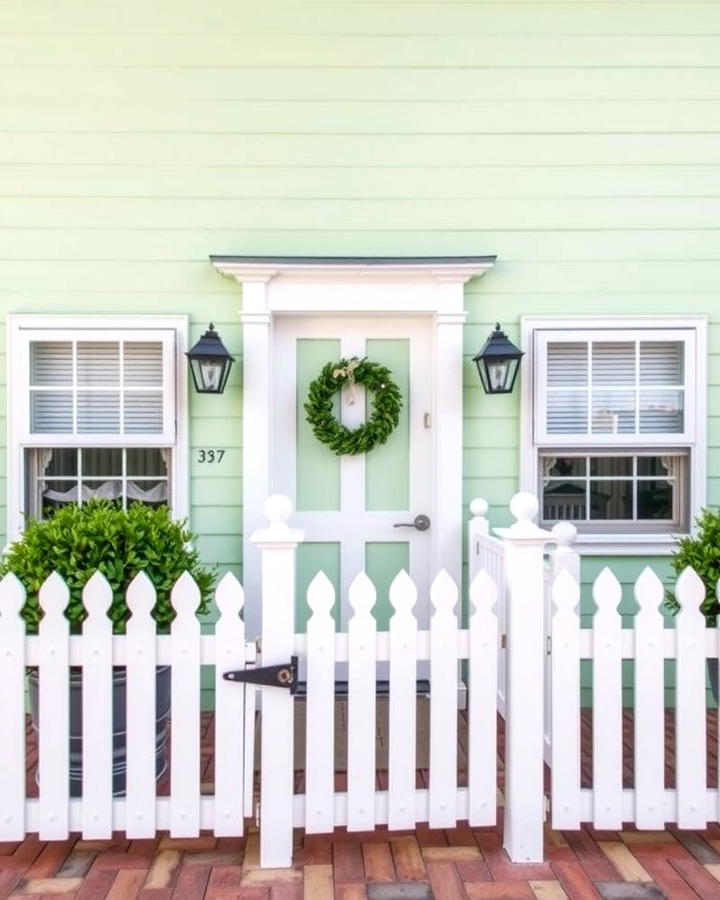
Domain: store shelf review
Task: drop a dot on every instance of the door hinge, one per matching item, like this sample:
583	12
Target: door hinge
283	676
503	641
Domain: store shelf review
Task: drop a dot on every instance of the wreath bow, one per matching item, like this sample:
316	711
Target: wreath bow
348	371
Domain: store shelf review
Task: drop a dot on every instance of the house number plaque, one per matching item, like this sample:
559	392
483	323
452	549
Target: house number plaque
205	455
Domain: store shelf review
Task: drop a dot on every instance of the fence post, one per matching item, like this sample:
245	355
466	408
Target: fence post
524	793
561	558
478	526
278	544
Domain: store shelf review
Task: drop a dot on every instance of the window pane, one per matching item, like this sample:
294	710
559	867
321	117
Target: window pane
662	362
566	466
51	363
613	412
104	490
98	412
567	412
146	462
57	493
564	500
661	412
655	500
101	462
51	412
143	363
63	461
653	465
611	500
143	412
605	466
98	363
567	363
613	362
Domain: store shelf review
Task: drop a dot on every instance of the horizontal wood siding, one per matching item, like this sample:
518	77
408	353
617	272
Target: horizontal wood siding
578	141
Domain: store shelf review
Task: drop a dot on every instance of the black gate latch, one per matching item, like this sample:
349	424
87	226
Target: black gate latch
284	675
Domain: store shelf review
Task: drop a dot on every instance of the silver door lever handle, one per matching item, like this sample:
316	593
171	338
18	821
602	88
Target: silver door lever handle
422	523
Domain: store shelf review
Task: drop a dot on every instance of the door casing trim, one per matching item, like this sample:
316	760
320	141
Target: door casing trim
351	289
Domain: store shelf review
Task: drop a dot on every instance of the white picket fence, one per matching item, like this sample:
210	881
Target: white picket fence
53	651
647	802
510	616
443	803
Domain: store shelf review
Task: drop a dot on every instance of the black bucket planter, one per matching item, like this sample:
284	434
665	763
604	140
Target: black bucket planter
119	742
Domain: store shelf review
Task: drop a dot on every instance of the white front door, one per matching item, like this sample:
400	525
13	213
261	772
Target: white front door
355	510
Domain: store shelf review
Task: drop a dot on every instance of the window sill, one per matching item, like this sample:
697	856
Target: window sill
626	544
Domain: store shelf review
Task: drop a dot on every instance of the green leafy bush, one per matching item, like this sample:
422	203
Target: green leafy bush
77	541
702	552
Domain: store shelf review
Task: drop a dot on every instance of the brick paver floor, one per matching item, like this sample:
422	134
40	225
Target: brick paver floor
464	862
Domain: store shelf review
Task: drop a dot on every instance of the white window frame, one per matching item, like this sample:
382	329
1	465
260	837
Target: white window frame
534	439
24	328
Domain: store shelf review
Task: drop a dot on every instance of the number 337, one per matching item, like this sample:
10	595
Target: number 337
210	456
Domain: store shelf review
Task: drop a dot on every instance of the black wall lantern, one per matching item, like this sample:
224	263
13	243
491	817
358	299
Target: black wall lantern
210	363
498	363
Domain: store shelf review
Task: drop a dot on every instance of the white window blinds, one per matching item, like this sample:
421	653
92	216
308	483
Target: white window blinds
614	387
98	387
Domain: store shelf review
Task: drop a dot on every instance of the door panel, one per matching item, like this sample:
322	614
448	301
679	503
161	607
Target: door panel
349	505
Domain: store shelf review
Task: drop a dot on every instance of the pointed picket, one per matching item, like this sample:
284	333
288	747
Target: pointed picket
320	724
443	702
185	699
690	727
362	653
482	697
565	723
141	703
607	703
12	679
97	716
229	709
402	704
649	703
54	735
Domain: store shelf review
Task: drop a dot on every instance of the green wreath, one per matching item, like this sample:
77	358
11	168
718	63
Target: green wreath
384	415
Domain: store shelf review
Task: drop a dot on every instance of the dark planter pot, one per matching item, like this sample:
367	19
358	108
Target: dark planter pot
119	744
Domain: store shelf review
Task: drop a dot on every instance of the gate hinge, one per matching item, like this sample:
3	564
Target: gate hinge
503	641
284	675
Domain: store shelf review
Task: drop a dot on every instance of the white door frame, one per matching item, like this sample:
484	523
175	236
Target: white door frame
278	286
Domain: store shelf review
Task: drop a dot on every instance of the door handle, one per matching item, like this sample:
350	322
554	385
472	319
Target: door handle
421	522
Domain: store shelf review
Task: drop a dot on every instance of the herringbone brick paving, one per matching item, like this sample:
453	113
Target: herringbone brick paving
463	863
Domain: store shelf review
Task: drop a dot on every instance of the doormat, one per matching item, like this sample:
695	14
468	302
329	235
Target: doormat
382	735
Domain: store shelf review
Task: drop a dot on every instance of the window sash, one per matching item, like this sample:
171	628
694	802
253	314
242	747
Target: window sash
627	392
130	401
580	512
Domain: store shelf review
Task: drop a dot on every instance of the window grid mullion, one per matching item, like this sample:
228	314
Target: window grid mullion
74	389
588	427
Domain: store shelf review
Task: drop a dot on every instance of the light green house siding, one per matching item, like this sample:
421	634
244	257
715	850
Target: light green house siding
578	141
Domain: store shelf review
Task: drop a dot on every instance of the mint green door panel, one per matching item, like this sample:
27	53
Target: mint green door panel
317	467
383	561
387	471
313	558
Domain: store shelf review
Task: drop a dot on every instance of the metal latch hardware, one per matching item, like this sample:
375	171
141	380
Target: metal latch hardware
284	675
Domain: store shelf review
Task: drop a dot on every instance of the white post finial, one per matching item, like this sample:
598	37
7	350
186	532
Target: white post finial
565	533
278	508
479	508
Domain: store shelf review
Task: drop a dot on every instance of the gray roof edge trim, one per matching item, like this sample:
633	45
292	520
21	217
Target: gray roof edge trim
354	260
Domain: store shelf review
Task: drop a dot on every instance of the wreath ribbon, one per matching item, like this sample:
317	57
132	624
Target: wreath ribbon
348	372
